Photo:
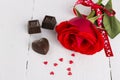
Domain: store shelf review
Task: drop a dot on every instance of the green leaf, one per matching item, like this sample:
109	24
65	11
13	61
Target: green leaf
93	19
77	12
111	24
99	2
92	13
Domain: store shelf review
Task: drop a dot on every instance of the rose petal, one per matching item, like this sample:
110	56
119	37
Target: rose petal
55	64
68	69
82	24
69	73
61	59
51	73
71	62
45	62
73	54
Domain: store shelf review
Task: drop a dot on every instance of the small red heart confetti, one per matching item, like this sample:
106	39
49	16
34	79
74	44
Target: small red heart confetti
61	59
45	62
71	62
55	64
73	54
69	73
51	73
68	69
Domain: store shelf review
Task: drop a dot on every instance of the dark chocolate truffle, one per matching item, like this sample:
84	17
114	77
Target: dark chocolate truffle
41	46
49	22
33	27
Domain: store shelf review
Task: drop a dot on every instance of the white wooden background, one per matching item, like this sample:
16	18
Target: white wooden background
19	62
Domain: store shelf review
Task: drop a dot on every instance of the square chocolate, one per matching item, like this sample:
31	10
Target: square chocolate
49	22
34	26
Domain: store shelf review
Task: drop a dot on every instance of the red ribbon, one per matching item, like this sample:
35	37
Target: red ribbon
99	9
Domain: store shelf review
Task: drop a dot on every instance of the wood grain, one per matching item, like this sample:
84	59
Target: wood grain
19	62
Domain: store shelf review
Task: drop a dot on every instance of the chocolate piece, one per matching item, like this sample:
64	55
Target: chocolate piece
41	46
49	22
33	27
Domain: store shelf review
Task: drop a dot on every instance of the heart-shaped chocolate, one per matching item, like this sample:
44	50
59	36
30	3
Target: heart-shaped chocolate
41	46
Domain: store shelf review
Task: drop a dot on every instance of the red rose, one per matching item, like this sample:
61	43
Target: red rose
80	35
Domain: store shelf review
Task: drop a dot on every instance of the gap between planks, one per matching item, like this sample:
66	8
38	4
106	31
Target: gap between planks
110	68
29	41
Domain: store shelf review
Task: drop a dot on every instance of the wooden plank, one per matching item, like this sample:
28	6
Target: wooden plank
14	39
85	67
115	61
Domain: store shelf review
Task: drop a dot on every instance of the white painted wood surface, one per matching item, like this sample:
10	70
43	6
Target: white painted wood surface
14	38
19	62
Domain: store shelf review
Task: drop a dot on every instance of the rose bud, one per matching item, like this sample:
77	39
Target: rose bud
80	35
